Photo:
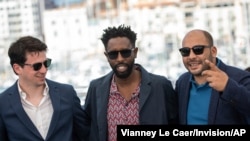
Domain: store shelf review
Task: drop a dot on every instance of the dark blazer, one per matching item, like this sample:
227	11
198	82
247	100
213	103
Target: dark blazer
66	122
228	107
157	104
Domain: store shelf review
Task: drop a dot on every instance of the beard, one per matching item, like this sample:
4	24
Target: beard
204	67
124	74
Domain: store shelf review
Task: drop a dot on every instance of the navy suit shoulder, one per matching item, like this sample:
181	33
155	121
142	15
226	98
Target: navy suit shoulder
66	123
157	104
227	107
62	86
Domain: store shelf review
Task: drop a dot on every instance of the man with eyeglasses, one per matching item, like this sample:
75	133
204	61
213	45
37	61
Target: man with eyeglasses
128	95
211	92
35	108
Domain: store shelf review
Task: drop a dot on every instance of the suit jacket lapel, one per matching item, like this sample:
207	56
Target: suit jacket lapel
55	100
185	98
215	96
145	87
15	102
144	93
212	111
102	101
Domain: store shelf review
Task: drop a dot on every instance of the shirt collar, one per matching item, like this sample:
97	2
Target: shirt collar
113	88
23	94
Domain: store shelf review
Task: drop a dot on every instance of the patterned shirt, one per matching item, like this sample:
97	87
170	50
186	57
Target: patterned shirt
120	111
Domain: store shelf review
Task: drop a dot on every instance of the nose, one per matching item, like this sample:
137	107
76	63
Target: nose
192	54
119	57
43	68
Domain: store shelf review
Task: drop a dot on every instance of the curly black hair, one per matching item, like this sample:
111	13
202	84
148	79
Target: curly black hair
120	31
247	69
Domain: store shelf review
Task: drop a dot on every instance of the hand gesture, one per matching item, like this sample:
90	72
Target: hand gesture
216	78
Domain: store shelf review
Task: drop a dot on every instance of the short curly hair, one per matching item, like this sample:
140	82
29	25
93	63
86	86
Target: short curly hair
247	69
120	31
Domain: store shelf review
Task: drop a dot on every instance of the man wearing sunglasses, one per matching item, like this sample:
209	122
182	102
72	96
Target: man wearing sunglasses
128	95
211	92
35	108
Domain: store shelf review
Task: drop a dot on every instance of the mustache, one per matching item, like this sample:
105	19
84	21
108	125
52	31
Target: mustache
121	64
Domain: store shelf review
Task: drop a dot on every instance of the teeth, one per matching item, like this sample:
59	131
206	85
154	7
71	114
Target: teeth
121	68
194	64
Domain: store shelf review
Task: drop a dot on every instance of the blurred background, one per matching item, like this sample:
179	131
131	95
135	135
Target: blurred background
72	31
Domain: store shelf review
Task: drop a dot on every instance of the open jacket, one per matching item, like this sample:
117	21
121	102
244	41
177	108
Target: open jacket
66	123
157	103
228	107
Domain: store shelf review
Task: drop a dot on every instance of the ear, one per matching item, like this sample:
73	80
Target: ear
105	53
214	51
16	68
135	51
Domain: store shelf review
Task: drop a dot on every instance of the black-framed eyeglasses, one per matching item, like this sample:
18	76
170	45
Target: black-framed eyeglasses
197	50
38	66
125	53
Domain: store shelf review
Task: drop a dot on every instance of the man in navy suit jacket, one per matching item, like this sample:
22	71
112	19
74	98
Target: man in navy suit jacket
211	92
129	94
35	108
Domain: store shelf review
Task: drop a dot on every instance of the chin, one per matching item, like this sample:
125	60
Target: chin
195	72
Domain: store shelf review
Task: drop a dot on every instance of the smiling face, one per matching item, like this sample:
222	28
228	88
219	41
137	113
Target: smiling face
123	64
194	63
27	75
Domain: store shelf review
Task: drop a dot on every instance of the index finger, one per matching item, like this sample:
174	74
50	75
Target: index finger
211	65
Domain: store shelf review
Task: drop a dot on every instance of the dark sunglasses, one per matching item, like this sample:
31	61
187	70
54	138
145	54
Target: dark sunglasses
124	53
197	50
38	66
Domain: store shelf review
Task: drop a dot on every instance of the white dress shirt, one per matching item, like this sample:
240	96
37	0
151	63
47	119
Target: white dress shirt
40	115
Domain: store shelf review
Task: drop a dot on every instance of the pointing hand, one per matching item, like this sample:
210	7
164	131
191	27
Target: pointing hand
216	78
